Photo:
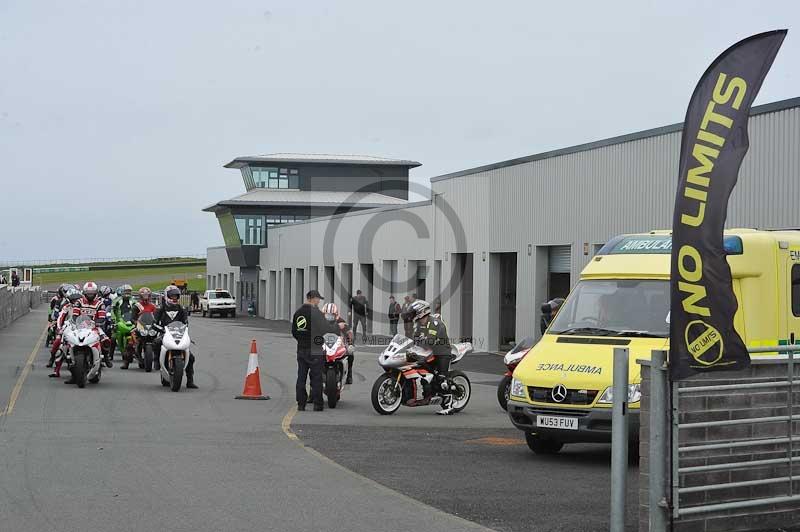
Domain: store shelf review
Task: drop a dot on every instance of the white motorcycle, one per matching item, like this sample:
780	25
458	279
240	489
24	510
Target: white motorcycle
174	354
84	354
408	379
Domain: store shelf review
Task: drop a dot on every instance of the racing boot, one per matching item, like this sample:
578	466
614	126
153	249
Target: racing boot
57	372
190	373
349	379
447	406
156	363
125	362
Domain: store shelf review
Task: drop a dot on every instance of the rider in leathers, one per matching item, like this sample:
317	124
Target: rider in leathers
56	303
72	298
430	332
122	305
330	309
169	311
143	305
91	305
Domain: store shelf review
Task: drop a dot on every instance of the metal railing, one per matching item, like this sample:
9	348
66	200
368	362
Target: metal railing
679	489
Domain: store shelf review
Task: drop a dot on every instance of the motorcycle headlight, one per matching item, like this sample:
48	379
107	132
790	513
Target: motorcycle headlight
634	394
152	332
517	388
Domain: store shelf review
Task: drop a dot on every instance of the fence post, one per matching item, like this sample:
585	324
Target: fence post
658	442
619	439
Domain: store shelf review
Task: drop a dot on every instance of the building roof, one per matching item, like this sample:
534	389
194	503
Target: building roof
264	197
319	158
757	110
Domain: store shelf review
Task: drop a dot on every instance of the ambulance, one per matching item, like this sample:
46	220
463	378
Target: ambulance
561	392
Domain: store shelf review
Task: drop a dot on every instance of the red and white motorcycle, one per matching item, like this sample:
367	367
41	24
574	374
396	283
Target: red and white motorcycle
335	350
512	360
84	355
407	379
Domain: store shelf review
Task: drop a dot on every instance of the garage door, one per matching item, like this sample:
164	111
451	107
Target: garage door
560	260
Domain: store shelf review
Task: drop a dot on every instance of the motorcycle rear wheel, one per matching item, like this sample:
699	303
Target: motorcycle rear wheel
177	373
148	358
331	388
463	390
387	395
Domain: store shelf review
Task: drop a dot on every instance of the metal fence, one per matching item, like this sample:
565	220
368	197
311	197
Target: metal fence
782	447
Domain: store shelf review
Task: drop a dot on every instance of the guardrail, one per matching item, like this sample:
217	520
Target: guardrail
770	444
16	302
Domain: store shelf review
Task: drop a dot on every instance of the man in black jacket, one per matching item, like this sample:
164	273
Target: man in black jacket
360	308
394	315
308	326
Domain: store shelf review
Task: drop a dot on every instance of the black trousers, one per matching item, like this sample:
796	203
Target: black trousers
362	319
393	326
309	365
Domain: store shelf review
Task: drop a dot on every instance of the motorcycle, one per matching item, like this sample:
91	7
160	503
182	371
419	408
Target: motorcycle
336	352
512	360
174	354
145	336
84	356
109	329
408	381
127	347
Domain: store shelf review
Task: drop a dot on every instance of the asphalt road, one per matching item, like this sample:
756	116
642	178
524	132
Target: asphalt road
129	455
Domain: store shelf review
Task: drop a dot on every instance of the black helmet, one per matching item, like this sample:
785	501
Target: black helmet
63	289
420	308
172	294
74	295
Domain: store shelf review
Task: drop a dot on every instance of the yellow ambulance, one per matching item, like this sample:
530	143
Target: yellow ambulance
561	392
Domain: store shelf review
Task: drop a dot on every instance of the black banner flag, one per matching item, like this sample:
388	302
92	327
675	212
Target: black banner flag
702	306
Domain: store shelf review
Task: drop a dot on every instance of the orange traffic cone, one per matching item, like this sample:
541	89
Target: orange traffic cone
252	381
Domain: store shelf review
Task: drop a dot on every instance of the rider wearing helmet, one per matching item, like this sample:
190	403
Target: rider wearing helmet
430	332
143	305
121	307
91	304
72	298
169	311
58	300
331	312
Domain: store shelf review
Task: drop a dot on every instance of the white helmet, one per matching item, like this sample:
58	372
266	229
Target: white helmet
90	291
420	308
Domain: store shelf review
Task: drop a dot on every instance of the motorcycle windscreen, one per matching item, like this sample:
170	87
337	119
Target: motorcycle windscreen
84	322
400	340
146	319
177	329
523	345
330	339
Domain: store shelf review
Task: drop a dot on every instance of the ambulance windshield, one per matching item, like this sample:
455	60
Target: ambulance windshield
615	307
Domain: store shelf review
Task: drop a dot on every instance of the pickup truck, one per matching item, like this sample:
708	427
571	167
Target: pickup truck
217	302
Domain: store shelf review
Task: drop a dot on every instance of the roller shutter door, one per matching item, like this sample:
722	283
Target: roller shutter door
560	260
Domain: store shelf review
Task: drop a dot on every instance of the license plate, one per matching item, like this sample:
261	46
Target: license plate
557	422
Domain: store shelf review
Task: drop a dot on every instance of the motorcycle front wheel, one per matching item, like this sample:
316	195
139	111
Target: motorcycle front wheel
331	387
148	358
177	373
462	391
503	391
387	394
79	370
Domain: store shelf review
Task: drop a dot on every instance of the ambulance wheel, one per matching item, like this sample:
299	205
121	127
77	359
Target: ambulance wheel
540	445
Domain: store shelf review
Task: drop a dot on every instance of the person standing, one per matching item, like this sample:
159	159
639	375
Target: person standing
408	317
195	300
308	326
394	315
359	306
14	278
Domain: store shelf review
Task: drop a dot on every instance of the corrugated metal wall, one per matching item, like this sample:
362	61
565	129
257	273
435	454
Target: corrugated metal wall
570	199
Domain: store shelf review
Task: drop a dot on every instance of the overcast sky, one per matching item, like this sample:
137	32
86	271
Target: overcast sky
116	117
